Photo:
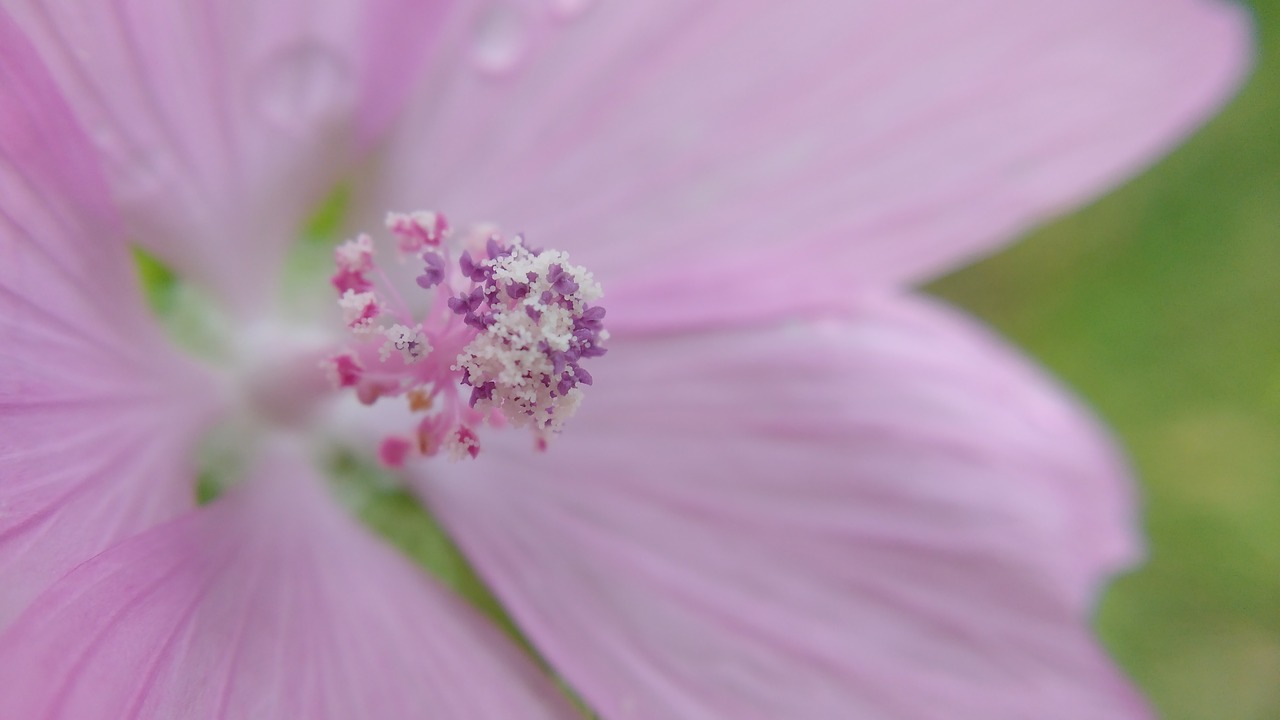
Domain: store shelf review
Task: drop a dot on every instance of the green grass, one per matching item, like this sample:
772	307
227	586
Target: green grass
1160	304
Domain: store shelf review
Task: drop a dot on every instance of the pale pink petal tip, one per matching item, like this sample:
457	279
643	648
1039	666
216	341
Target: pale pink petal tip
273	604
888	515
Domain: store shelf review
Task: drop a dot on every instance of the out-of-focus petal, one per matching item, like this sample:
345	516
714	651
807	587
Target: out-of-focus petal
883	516
97	417
224	123
817	144
271	604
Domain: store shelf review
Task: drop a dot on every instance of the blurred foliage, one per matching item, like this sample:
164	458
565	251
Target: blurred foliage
1160	304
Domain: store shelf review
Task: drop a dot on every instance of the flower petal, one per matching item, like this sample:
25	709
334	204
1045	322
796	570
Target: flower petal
270	603
782	153
223	124
883	516
97	417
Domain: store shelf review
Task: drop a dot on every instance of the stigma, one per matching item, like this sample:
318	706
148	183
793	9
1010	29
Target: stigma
493	332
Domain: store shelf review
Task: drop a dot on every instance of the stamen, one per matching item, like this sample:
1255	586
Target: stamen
344	370
536	325
354	258
507	325
411	343
394	450
434	272
359	310
417	230
462	443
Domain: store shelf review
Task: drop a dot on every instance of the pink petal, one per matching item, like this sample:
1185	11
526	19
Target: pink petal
97	418
712	159
271	603
223	124
884	516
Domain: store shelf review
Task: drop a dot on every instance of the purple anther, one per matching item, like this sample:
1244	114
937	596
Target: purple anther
479	320
581	375
565	385
557	359
484	391
466	264
517	291
592	317
466	304
593	350
494	247
433	274
471	269
561	281
474	320
566	286
546	297
534	313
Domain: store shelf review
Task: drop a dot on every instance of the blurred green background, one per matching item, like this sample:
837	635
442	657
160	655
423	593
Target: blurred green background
1160	304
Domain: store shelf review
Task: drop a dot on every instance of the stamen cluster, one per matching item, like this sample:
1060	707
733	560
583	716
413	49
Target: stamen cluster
514	326
536	325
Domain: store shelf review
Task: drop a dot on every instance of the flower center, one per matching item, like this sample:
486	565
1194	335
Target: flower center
280	381
505	324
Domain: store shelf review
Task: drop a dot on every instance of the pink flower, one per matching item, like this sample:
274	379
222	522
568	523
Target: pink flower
791	491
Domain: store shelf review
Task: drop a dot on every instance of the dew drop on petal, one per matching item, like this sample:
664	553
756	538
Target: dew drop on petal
569	9
501	37
302	84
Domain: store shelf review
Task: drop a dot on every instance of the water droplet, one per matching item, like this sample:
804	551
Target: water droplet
302	84
502	37
569	9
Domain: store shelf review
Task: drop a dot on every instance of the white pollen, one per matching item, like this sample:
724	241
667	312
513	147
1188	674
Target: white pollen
513	351
411	343
417	229
359	310
461	443
355	255
523	323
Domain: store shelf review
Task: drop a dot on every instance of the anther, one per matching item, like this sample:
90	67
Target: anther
506	324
